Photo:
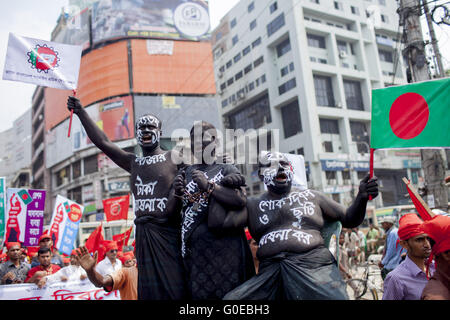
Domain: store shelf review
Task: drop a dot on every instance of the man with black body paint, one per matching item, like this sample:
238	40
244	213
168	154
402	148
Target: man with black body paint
286	222
161	275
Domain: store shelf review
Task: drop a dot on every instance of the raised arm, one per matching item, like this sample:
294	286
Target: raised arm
88	263
354	215
98	137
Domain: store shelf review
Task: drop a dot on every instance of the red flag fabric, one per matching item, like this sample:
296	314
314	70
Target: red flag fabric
116	208
419	206
122	238
95	240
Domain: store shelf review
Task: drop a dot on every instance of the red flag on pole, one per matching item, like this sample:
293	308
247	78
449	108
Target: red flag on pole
95	240
116	208
421	206
123	238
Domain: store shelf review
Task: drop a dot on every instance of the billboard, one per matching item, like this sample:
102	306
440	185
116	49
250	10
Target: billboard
113	116
178	112
187	69
76	30
168	19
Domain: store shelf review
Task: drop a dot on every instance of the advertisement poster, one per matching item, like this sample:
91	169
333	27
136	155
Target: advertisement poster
24	219
114	117
169	19
65	223
2	209
76	31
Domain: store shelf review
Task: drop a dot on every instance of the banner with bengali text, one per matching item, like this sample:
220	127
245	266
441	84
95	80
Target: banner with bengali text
74	290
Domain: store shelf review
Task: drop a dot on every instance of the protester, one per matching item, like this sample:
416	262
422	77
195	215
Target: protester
216	260
392	252
128	259
125	280
362	245
438	287
73	272
287	222
161	274
14	270
253	248
408	279
110	263
372	239
352	245
45	267
46	241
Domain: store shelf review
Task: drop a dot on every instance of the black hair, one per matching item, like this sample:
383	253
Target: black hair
44	250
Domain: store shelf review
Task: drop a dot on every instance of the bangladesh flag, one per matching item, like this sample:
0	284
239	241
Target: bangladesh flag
411	116
25	196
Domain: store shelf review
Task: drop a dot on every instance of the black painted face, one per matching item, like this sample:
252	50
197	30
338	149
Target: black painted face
203	139
148	131
276	172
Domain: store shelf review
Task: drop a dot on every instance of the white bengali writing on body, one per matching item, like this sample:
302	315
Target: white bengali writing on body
284	234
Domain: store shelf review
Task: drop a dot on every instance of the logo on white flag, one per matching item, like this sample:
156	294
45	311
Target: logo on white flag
43	58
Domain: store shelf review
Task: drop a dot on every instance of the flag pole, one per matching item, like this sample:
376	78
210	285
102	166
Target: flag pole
74	91
413	193
372	151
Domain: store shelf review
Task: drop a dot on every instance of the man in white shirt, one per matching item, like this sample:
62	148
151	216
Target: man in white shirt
73	272
110	263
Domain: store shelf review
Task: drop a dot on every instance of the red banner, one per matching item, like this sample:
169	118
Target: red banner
123	238
116	208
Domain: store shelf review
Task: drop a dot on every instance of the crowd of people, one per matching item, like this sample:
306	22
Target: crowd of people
199	237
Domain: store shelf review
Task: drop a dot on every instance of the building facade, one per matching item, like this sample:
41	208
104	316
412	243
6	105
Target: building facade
306	69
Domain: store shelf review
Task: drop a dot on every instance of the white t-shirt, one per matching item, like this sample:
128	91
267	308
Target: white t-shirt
72	273
105	266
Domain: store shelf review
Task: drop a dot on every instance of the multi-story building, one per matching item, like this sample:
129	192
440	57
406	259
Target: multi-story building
139	60
307	68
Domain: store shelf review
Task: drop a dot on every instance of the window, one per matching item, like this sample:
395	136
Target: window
324	91
330	175
275	25
76	170
233	23
273	7
257	42
290	115
283	47
237	57
263	78
62	176
238	75
230	81
250	7
291	66
251	86
337	5
301	151
346	175
355	10
287	86
253	115
90	164
253	25
315	1
382	2
75	195
384	18
284	71
316	41
219	36
229	63
385	56
360	134
342	46
235	40
328	146
258	61
353	95
330	126
246	50
222	69
223	86
248	68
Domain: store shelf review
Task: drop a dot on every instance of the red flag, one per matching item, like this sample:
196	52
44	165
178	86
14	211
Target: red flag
95	240
123	238
116	208
421	207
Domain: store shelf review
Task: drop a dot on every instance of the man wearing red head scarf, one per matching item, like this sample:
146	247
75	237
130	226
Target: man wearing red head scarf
13	270
408	279
438	229
110	263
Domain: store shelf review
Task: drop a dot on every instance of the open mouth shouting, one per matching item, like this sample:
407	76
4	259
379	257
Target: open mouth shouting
281	177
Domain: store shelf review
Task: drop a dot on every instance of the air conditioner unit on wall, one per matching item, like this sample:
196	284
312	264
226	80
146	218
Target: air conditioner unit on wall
342	54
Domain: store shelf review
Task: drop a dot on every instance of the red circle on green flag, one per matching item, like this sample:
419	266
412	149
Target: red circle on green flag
408	115
24	197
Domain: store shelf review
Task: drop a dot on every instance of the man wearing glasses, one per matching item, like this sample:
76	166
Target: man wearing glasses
110	263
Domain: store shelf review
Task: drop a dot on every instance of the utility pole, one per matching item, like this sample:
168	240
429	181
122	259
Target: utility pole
437	53
432	160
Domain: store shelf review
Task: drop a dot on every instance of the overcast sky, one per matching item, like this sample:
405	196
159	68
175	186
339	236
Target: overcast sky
36	19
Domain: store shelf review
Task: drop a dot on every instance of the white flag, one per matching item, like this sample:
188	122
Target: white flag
44	63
